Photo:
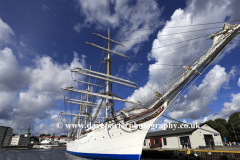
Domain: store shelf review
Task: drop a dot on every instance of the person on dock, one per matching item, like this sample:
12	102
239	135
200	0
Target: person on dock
186	144
189	145
150	145
211	144
229	144
182	144
160	145
234	143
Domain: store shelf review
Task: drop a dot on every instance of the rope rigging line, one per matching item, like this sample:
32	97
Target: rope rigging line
151	63
183	26
170	44
195	78
136	78
172	49
125	40
175	33
166	82
119	88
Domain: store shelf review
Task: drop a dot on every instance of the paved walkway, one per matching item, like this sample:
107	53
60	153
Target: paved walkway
217	148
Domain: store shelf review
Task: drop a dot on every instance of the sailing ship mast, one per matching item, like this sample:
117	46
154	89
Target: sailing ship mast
108	60
107	77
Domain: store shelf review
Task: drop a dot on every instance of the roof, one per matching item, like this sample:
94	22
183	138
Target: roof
176	131
170	132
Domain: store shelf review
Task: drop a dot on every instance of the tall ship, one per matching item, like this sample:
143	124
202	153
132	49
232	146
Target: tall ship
120	134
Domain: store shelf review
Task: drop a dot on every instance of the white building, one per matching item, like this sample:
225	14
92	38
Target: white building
15	140
175	138
63	140
47	140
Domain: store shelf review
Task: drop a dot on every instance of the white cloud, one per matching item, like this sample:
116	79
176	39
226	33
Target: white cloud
195	103
125	16
5	32
238	82
11	76
233	106
30	93
44	7
227	110
78	27
52	127
131	67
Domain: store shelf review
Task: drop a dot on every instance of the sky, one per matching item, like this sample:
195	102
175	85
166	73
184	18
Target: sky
40	42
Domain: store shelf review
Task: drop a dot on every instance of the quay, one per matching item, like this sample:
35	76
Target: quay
26	147
15	147
219	153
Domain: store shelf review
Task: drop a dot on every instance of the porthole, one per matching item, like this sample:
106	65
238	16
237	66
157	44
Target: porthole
103	136
112	134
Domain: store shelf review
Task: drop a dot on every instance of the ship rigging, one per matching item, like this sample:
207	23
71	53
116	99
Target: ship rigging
145	111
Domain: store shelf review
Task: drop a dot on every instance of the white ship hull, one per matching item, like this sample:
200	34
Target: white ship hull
115	143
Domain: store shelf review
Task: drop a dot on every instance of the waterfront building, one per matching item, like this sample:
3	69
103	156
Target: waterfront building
34	140
20	140
63	140
5	135
174	138
56	139
41	138
24	141
46	140
15	139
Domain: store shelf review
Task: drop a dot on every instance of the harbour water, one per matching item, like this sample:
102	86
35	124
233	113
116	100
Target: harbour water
41	154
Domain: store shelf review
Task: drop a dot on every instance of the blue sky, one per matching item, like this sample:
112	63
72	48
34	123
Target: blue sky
41	41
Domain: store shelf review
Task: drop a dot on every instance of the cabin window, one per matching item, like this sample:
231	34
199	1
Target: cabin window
165	141
144	143
156	141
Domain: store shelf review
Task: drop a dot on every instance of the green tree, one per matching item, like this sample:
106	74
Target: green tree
221	121
234	125
41	135
222	126
218	125
63	136
211	123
